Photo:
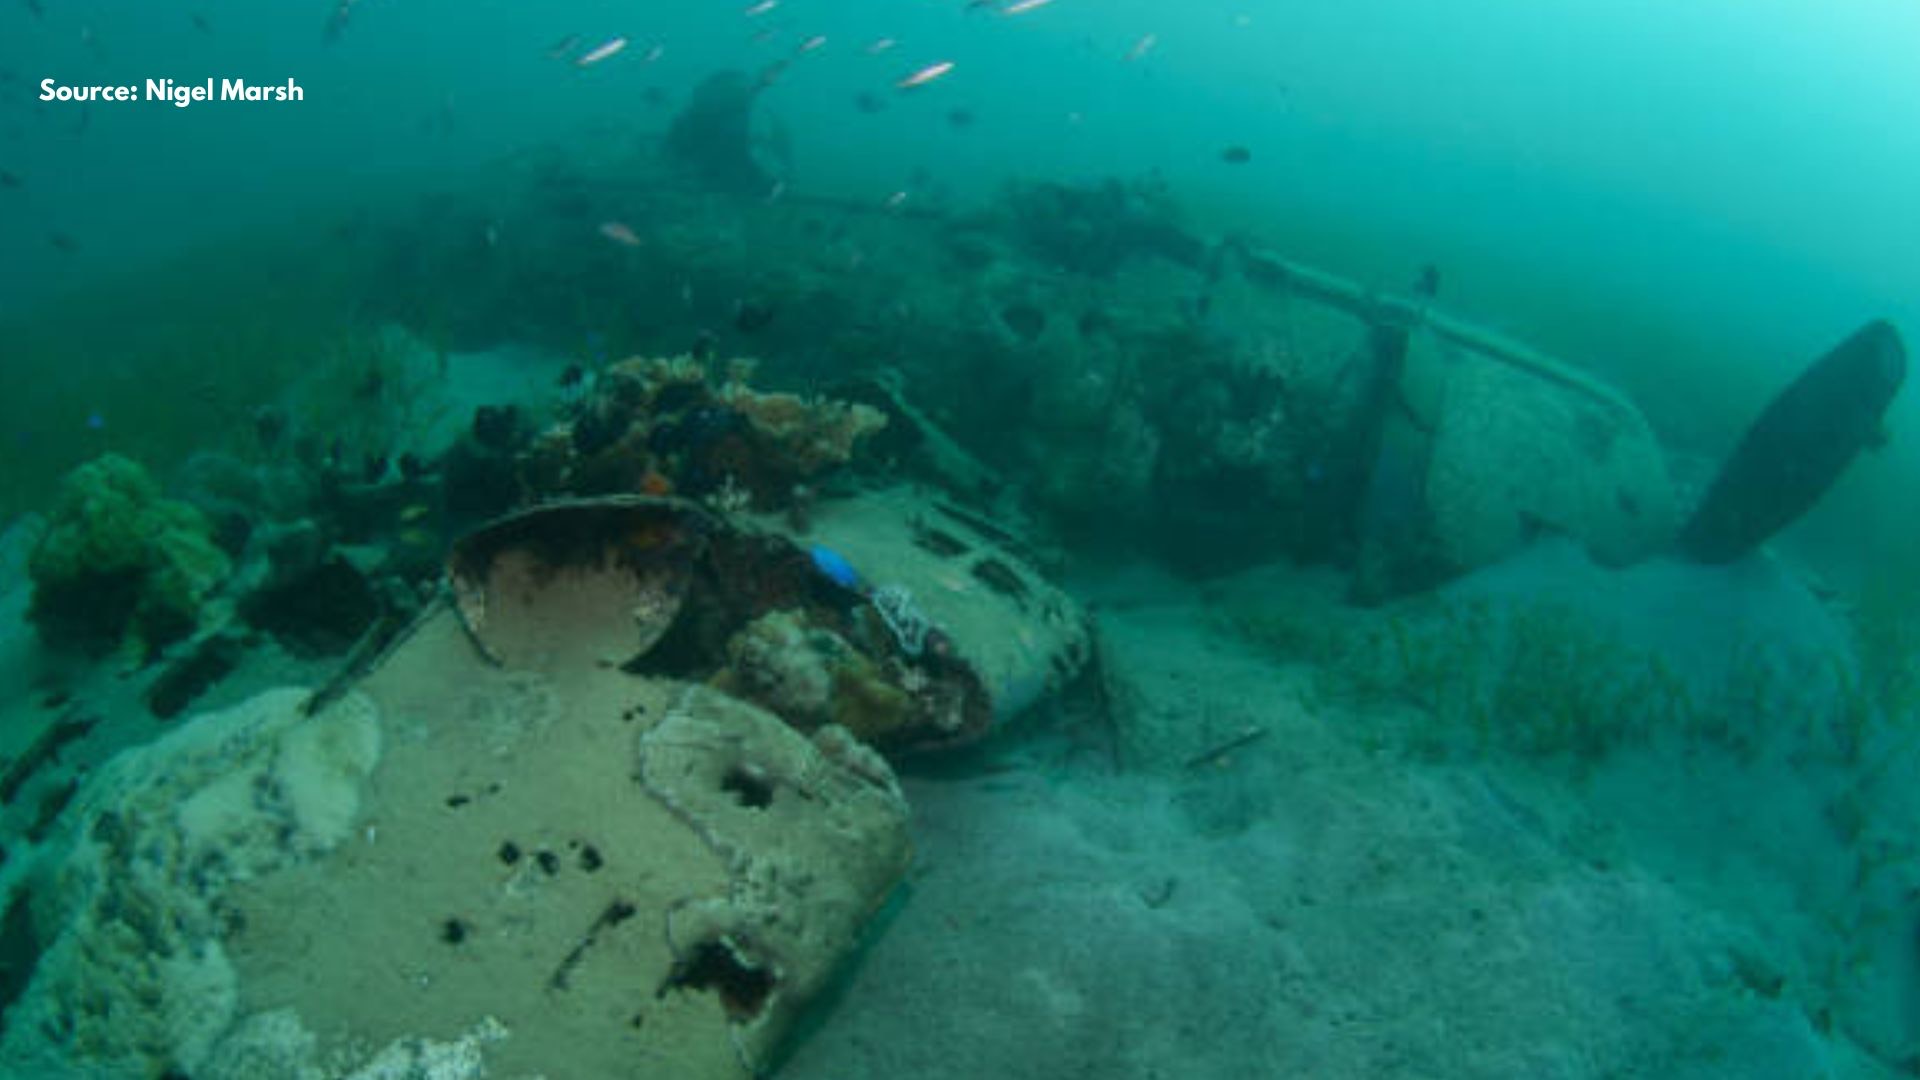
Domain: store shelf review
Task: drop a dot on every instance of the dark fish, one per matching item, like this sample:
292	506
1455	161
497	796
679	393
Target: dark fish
497	427
960	118
269	425
869	102
1799	446
752	316
200	23
9	180
1236	155
63	243
573	376
337	22
370	385
34	7
655	97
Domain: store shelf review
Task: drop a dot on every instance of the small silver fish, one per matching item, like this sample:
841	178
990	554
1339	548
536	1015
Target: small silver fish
600	52
620	233
925	75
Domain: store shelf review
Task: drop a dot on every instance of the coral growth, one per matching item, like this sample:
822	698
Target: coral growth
119	562
811	435
781	663
661	425
809	676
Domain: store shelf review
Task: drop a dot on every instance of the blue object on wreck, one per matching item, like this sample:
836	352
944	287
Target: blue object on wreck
835	566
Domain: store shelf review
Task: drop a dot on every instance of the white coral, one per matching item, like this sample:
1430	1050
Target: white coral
909	625
425	1059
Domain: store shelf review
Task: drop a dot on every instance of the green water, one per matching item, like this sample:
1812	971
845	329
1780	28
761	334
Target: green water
1039	223
1689	201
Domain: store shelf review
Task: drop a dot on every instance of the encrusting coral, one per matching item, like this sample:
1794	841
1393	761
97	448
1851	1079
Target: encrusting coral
810	435
809	676
785	665
664	425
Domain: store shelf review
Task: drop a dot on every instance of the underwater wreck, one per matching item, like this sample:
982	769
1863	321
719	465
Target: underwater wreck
593	754
617	791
